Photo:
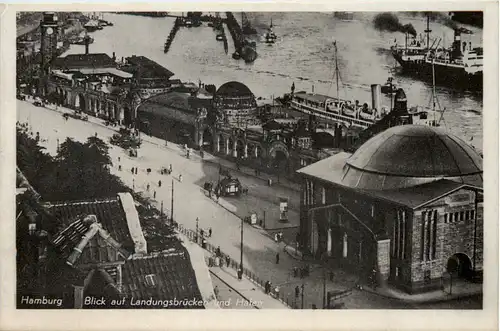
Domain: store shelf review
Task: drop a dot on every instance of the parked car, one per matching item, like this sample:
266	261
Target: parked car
38	102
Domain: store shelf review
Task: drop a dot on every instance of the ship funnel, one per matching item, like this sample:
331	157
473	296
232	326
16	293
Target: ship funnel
376	96
400	103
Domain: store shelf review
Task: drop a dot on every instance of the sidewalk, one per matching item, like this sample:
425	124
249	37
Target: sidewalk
247	289
461	289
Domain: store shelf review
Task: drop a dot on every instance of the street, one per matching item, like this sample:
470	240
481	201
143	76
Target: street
191	202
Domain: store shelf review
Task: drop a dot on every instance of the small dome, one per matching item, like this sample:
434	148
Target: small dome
409	155
234	89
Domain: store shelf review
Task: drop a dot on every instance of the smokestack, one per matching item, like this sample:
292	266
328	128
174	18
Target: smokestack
87	41
457	43
376	96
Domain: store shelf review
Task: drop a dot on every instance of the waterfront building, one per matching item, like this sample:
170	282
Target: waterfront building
408	204
75	250
93	84
177	116
150	77
237	103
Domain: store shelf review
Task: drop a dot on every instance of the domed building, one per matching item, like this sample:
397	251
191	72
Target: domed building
236	102
405	209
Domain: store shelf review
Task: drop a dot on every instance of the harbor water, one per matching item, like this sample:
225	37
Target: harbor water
303	54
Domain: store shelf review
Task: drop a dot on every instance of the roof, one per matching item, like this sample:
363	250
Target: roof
85	241
177	100
147	68
76	61
419	195
337	170
162	276
104	71
233	89
109	213
313	96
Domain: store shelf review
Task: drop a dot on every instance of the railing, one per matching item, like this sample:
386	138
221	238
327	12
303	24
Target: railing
331	116
194	237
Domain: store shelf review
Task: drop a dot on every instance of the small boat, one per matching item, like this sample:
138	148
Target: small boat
219	37
366	113
348	109
188	23
92	25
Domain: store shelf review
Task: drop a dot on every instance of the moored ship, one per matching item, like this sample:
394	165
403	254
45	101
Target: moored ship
459	66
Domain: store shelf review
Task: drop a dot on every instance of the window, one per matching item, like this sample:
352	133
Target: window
462	215
427	276
446	218
472	214
323	195
467	214
150	280
456	216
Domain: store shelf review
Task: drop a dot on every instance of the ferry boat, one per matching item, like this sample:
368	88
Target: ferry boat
352	114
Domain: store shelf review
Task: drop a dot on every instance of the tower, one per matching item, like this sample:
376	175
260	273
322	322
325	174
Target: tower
48	47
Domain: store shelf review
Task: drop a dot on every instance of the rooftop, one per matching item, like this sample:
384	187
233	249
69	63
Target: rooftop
77	61
233	89
402	157
146	68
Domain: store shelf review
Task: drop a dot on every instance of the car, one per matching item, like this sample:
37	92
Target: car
38	102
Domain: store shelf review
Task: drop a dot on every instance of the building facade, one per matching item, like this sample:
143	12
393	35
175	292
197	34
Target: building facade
408	204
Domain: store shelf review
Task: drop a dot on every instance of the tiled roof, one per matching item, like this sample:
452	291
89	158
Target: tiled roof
147	68
109	214
76	61
167	275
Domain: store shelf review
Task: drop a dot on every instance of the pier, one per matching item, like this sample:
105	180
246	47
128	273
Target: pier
172	34
235	31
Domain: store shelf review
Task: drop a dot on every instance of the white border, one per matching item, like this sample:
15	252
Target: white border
11	319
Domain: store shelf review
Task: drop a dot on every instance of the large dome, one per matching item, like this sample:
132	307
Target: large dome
409	155
234	89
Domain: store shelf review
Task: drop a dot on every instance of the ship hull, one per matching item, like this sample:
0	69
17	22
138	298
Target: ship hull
450	76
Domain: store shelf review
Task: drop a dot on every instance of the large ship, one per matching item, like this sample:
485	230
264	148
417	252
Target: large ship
460	66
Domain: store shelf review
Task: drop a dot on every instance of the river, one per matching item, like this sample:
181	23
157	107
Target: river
303	55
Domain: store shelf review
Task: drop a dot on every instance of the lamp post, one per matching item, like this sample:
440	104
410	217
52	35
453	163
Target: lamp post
172	204
197	220
241	252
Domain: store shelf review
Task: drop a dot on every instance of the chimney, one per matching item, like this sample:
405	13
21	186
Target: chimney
376	96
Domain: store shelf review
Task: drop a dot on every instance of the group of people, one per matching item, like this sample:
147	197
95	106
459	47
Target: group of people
268	289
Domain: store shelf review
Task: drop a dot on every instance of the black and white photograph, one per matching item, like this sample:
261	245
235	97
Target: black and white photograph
250	160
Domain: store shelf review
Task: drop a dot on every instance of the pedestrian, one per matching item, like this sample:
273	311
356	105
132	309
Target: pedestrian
277	292
216	291
295	271
180	178
228	260
159	183
209	232
136	170
154	195
148	170
118	159
276	237
297	291
170	168
119	167
266	287
147	187
132	170
217	251
281	236
277	258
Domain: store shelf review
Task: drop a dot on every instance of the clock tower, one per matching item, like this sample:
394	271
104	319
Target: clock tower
48	47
